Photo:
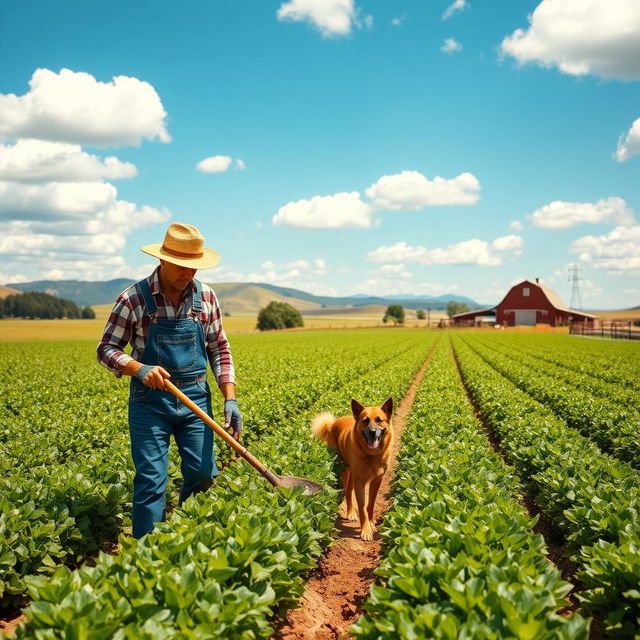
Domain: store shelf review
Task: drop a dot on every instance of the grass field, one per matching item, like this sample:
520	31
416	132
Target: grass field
12	330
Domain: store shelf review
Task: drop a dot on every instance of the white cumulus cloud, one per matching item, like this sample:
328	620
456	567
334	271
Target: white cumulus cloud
54	200
317	267
600	37
473	251
617	252
511	242
564	215
214	164
450	45
219	164
338	211
59	223
458	6
74	107
13	278
410	190
516	225
629	144
42	161
394	271
298	274
330	17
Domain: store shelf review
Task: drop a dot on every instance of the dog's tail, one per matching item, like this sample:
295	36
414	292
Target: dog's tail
321	428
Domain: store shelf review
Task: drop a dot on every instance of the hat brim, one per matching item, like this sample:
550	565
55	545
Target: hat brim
208	259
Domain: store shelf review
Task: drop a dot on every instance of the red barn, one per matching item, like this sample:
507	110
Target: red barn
526	303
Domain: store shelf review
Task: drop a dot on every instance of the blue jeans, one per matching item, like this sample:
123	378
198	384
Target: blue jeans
154	416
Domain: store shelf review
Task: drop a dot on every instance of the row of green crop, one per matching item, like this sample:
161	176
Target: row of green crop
562	367
66	475
591	497
612	361
612	425
462	560
226	561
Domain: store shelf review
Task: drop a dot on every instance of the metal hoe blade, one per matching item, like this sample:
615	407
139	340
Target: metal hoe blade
292	481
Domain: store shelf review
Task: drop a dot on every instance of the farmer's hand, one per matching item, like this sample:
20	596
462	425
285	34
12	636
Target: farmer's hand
152	376
233	417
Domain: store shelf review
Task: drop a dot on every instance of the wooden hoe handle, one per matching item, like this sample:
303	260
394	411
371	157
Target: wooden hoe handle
218	430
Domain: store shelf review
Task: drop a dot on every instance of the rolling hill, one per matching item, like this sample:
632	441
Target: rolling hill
239	297
7	291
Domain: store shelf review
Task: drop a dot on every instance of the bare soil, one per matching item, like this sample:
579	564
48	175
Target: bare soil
337	589
8	625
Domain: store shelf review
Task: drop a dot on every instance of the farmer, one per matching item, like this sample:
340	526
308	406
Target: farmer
174	325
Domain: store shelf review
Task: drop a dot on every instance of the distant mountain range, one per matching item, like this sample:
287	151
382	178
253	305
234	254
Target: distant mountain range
239	296
82	292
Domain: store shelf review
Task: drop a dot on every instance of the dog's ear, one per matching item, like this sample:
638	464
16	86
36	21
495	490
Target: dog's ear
387	408
356	409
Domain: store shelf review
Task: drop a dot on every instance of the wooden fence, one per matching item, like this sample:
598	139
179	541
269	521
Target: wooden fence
616	329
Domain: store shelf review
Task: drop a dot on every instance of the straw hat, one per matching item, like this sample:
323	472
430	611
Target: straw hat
184	245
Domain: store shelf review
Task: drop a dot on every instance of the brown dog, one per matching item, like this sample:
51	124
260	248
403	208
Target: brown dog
364	442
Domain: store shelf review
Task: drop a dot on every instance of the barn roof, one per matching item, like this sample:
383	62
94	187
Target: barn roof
475	312
553	298
550	294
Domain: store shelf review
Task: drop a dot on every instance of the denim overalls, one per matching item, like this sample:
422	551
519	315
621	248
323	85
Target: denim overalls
177	345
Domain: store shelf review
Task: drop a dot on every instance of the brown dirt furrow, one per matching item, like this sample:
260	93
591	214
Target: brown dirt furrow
9	624
554	540
337	589
557	547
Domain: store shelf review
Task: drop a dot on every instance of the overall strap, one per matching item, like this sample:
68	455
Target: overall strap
149	303
196	301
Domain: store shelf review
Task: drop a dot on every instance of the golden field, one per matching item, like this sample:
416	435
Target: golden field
15	330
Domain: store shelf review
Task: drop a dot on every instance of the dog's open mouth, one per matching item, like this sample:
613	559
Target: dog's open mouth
373	437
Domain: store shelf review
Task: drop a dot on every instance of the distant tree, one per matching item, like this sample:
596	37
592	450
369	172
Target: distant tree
88	314
395	313
456	307
421	314
278	315
36	304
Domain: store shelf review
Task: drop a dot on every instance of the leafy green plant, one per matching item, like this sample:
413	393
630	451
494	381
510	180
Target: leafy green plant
226	561
593	498
462	560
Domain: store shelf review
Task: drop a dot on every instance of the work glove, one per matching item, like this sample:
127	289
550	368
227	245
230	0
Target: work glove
233	417
152	376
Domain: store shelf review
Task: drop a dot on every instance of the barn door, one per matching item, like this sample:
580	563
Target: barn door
526	316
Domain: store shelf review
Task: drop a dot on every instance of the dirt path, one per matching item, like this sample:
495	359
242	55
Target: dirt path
339	586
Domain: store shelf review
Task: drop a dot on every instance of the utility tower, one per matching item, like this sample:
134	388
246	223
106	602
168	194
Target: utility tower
575	278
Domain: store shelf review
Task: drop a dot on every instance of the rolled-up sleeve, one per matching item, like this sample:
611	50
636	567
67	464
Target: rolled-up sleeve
117	335
218	349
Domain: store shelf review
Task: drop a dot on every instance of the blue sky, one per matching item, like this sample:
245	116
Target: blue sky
352	146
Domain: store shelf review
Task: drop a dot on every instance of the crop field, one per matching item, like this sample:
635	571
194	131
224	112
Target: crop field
507	432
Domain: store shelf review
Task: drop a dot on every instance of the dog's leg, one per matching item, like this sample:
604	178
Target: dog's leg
347	483
373	493
366	532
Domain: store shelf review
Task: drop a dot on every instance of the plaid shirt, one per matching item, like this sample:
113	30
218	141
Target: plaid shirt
128	324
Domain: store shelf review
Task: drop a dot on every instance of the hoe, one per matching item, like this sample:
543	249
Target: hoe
276	481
